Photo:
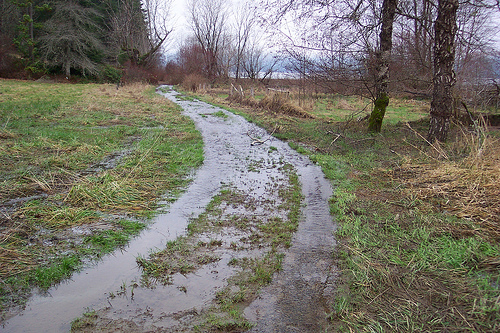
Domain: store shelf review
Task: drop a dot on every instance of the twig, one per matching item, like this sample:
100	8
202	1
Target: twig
363	140
378	296
439	151
338	136
257	141
6	123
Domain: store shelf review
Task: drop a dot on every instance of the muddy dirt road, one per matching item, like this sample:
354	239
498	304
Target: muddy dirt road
298	298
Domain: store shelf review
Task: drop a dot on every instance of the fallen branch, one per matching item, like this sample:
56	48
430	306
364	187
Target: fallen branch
338	136
256	141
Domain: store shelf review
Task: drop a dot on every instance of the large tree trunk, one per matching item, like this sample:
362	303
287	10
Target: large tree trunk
383	58
445	29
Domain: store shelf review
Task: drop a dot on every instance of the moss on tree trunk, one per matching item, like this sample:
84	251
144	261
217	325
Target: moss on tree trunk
382	66
378	113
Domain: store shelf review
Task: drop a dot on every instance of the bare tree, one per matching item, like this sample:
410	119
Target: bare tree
412	51
157	14
245	22
140	31
190	58
128	29
475	32
226	56
256	64
208	19
345	40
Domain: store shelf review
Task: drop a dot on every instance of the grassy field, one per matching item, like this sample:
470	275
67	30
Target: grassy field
82	168
419	224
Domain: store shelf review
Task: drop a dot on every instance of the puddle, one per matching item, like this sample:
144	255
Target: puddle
297	300
112	160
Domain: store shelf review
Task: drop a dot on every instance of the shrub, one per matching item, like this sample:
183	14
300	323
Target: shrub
110	74
193	81
135	73
279	103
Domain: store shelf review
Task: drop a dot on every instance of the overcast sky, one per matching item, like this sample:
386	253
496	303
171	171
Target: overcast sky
180	17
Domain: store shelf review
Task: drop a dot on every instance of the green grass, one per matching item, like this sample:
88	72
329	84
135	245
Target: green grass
179	256
54	139
107	241
341	108
220	114
84	322
407	264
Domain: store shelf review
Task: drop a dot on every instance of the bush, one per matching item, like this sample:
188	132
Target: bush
135	73
173	73
281	104
192	82
110	74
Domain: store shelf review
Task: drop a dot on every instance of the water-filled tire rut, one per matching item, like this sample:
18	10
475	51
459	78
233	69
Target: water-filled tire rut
297	300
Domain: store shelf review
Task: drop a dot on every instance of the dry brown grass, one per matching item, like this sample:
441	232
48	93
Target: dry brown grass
464	181
278	104
14	260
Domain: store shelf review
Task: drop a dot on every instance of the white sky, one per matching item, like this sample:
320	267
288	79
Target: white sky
180	24
180	17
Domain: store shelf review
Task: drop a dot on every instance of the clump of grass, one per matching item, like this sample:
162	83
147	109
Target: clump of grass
179	256
275	103
107	241
220	114
242	289
85	322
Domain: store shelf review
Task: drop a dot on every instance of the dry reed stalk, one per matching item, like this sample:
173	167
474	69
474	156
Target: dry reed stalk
436	145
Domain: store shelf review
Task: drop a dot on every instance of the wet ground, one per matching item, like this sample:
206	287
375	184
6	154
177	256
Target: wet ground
246	159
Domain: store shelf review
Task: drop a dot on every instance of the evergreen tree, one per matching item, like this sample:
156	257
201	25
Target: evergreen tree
71	38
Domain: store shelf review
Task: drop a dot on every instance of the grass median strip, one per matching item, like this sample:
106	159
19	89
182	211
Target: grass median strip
253	231
82	168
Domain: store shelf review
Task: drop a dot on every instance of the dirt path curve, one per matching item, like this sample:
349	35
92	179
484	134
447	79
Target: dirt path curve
296	301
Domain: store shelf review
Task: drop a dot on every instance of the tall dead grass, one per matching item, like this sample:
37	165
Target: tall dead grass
465	181
277	103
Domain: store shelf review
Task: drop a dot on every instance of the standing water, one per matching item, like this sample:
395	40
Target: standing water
296	301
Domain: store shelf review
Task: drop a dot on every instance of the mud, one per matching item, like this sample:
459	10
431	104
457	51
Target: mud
299	297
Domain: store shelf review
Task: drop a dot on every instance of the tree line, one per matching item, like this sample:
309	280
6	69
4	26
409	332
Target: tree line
438	49
90	38
225	42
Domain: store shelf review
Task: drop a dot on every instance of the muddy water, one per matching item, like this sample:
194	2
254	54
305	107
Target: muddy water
296	301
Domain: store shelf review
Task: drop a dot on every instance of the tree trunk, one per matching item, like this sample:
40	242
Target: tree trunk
383	58
32	40
445	29
67	69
